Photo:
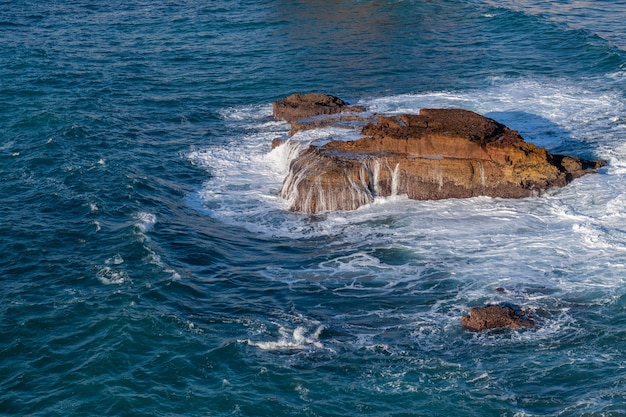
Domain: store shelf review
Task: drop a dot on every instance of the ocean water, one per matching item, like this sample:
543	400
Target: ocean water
149	268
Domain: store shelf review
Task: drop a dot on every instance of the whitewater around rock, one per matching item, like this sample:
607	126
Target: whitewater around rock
436	154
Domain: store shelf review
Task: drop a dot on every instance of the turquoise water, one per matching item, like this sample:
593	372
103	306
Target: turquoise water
150	268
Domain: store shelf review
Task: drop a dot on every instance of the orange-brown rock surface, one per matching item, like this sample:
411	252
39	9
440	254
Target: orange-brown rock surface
436	154
494	317
301	111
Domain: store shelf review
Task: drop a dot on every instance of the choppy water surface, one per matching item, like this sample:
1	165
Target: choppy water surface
151	269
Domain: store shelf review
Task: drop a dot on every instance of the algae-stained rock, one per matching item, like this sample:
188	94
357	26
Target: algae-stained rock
493	317
436	154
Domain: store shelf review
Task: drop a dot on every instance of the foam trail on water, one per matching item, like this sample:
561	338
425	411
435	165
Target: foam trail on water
297	339
110	276
145	221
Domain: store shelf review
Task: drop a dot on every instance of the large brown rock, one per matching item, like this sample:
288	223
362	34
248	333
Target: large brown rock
436	154
493	317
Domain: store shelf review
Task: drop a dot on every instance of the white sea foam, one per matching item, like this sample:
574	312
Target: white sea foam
115	260
153	258
145	221
299	338
110	276
246	175
321	136
250	113
538	249
545	113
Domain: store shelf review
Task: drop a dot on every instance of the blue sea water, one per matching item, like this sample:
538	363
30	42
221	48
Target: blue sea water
149	268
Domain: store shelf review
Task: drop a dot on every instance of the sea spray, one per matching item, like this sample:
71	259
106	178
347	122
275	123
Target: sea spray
300	338
354	186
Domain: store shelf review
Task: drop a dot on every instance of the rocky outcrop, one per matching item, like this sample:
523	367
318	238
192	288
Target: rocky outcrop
493	317
436	154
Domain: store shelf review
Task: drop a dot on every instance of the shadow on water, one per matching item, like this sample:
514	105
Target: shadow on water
545	133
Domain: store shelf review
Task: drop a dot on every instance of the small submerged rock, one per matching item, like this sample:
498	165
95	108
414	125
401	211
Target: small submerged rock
493	317
436	154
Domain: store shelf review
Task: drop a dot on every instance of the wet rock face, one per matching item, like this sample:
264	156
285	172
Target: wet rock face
436	154
493	317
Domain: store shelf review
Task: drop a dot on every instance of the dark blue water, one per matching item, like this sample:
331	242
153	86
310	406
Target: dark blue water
149	267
